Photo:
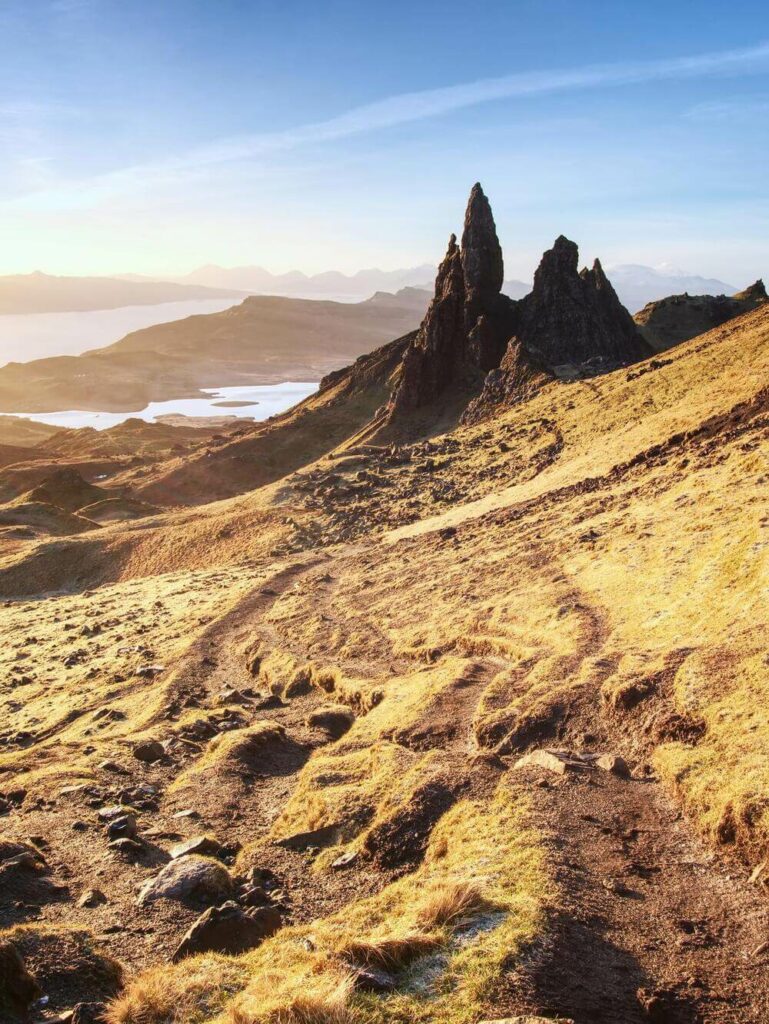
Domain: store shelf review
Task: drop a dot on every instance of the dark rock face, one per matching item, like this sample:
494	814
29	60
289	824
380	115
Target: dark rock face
518	378
573	317
468	322
570	319
228	929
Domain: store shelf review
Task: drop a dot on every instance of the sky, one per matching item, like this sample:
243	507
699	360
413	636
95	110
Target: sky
153	137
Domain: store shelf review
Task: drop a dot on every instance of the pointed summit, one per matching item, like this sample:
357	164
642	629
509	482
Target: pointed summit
469	321
481	252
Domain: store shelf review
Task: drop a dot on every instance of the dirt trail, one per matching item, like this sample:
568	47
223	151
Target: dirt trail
647	907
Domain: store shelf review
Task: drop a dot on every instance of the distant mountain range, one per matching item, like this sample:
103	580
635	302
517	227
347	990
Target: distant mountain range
634	283
44	293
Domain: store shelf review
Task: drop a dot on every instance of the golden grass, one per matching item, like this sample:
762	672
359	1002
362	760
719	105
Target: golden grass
163	996
483	853
449	903
389	954
323	1006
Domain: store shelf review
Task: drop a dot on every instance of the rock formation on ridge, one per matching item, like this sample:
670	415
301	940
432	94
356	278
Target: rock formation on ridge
571	322
677	318
573	317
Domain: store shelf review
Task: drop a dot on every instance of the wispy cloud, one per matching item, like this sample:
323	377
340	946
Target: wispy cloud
398	110
731	108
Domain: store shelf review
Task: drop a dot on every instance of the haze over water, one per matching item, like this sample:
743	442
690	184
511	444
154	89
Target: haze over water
27	336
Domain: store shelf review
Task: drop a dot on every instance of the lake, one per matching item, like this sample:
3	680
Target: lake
26	336
257	403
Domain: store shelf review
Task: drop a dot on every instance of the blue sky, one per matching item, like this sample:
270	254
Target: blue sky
156	136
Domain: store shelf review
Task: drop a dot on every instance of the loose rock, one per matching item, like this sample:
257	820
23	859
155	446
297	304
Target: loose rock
188	878
228	929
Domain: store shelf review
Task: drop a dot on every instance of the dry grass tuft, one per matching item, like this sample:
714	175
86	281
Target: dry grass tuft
159	996
389	954
329	1007
450	903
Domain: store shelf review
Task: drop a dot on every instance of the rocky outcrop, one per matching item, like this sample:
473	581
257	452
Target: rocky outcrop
571	324
518	378
574	318
677	318
468	322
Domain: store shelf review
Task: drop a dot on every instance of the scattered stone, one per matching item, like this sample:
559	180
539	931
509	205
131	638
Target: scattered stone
373	979
205	846
92	898
112	812
254	896
149	671
191	878
613	763
18	989
113	766
616	886
149	751
123	827
127	848
228	929
229	695
558	761
345	860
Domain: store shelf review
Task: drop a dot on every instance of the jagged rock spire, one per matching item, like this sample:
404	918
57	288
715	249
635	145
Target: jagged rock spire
571	317
468	323
482	263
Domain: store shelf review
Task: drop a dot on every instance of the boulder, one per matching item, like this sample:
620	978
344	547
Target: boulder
18	989
188	879
149	751
92	898
228	929
122	827
373	979
613	763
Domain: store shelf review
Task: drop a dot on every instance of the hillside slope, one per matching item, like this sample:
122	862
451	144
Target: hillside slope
474	725
677	318
264	340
